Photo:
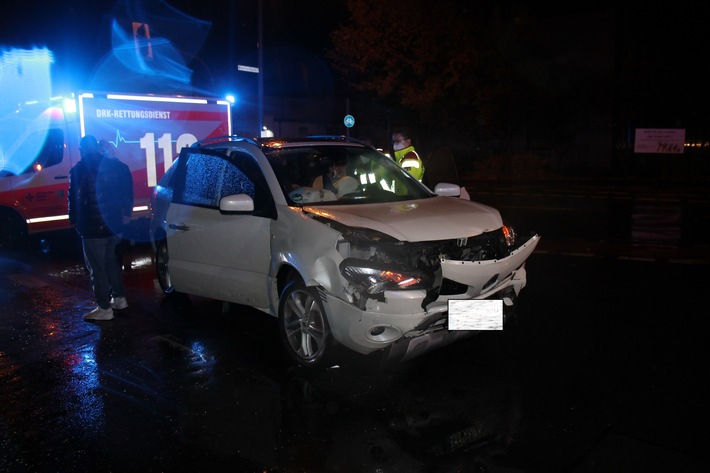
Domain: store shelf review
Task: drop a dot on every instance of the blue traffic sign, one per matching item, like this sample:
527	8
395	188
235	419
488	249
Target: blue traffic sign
349	121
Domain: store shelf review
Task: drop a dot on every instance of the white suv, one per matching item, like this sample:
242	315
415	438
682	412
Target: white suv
334	239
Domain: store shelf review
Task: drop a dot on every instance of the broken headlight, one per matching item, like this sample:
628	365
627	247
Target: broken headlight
374	278
508	235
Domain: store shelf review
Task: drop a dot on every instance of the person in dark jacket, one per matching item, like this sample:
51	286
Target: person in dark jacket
100	205
109	152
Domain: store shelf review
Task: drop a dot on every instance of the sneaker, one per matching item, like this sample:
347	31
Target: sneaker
99	314
119	303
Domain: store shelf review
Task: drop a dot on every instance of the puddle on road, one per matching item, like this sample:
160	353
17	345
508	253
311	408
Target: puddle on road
76	270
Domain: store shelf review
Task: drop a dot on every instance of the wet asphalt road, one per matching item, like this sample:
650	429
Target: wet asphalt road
603	371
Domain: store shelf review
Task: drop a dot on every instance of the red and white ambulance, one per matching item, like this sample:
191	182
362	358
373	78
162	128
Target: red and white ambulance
41	144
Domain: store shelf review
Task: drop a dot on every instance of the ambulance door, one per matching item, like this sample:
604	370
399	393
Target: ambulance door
41	189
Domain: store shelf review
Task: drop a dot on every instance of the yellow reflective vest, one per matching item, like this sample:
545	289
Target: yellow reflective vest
410	161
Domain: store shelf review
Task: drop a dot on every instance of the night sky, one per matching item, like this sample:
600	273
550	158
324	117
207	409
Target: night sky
658	49
79	32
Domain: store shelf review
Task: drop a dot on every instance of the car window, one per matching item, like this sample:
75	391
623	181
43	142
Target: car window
208	178
336	174
234	181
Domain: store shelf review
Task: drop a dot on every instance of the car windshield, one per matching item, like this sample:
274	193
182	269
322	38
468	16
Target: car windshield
341	174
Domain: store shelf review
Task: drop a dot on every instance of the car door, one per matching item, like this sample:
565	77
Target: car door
224	256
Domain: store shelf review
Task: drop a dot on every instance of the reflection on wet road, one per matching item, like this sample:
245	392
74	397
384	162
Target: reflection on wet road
601	372
175	383
598	221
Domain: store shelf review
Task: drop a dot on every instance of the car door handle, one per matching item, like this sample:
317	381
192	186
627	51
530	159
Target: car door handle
61	177
183	228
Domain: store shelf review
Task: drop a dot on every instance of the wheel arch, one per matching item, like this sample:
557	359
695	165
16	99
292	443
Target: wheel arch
157	236
286	274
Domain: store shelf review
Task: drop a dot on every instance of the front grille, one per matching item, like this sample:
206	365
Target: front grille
486	246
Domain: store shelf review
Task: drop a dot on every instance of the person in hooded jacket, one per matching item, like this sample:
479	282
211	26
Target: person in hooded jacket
100	205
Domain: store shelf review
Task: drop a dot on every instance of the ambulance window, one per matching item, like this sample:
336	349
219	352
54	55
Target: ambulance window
37	151
52	150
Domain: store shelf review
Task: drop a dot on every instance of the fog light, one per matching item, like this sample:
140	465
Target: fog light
377	331
383	333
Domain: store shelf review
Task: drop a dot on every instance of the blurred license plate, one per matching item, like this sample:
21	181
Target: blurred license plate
476	315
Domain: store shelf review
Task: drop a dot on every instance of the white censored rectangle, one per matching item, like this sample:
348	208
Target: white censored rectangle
476	315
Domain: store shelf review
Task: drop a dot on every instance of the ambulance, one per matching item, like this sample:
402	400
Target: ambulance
39	144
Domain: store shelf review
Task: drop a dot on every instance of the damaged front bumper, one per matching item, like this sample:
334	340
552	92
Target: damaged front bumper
399	322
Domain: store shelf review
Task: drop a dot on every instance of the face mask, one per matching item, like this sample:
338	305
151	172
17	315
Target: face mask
398	146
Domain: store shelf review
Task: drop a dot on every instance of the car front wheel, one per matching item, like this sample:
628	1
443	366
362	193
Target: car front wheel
304	326
161	266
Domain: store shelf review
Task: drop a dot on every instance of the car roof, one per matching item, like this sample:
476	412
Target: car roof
278	143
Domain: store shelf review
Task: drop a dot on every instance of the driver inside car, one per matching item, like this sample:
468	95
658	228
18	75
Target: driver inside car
336	180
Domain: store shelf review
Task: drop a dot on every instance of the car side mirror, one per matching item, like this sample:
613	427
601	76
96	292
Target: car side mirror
236	203
447	189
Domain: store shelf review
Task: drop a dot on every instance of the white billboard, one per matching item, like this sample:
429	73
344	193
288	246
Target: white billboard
659	140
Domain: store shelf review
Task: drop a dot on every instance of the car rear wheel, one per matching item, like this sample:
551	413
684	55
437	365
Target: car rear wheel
304	326
162	258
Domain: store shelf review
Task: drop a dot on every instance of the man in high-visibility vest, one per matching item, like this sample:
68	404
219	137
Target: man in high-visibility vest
405	155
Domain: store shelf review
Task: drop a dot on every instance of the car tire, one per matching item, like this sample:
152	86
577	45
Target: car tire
303	326
162	258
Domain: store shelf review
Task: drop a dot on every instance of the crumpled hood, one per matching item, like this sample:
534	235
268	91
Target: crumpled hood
437	218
